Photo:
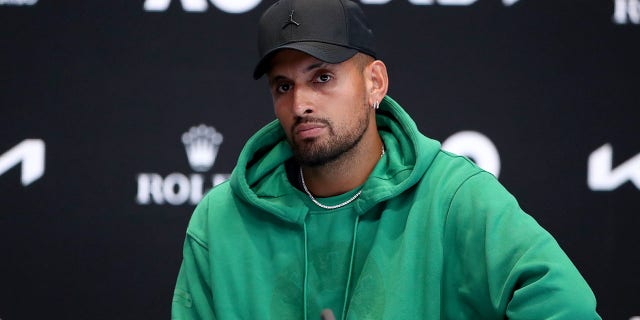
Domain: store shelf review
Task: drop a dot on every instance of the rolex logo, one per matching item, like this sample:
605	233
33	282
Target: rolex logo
202	144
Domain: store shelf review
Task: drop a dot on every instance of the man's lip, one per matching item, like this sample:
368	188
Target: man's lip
308	126
308	130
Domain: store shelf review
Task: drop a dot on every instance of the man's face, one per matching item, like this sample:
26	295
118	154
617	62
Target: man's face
322	107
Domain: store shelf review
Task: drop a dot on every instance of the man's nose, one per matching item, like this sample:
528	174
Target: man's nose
303	102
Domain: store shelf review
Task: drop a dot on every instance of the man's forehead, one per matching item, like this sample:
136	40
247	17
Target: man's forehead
298	60
285	56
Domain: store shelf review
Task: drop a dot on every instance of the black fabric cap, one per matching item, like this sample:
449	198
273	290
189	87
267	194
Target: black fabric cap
329	30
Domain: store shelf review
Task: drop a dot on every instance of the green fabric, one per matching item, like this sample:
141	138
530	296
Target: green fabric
432	236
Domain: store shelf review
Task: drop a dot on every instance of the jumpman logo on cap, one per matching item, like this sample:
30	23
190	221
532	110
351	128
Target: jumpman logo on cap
290	21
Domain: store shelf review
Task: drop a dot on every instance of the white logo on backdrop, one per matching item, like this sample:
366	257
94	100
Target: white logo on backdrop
626	11
601	175
230	6
242	6
201	145
477	147
30	153
18	2
440	2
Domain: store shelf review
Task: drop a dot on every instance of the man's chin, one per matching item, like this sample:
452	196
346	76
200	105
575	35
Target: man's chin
312	158
311	162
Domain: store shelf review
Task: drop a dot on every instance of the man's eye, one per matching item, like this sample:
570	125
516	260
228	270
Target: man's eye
282	88
323	78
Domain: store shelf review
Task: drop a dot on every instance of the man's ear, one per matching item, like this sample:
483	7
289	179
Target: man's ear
379	81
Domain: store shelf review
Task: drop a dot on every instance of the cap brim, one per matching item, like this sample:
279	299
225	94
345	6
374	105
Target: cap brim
330	53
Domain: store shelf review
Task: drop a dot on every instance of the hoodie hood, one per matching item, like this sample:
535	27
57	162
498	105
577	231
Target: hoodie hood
260	178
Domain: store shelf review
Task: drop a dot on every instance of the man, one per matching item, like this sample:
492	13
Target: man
342	208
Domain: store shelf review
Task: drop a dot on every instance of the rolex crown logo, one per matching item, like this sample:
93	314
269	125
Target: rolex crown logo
202	144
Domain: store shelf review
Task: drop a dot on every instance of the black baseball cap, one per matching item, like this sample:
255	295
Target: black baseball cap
329	30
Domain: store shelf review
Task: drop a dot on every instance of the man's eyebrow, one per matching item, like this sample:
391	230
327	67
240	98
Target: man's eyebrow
311	67
315	66
276	79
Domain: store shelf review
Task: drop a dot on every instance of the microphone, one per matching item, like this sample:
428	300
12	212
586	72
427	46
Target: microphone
327	314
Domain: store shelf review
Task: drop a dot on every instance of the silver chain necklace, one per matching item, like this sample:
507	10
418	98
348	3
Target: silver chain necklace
324	206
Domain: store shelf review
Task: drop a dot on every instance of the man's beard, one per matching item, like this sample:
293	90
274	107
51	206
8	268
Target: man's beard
313	152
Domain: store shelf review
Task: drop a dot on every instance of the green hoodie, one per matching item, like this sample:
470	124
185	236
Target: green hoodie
432	236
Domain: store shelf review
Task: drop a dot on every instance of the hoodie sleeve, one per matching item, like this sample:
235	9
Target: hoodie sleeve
192	298
518	267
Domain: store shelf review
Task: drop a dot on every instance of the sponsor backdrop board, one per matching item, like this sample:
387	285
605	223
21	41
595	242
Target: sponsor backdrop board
116	116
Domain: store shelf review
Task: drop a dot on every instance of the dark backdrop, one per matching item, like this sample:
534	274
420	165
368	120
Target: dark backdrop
96	95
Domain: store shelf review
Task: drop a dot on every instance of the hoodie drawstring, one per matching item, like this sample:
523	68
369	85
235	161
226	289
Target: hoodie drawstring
351	261
306	270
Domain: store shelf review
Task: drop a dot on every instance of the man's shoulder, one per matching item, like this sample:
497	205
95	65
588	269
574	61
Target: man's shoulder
217	197
220	196
220	190
214	208
452	169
